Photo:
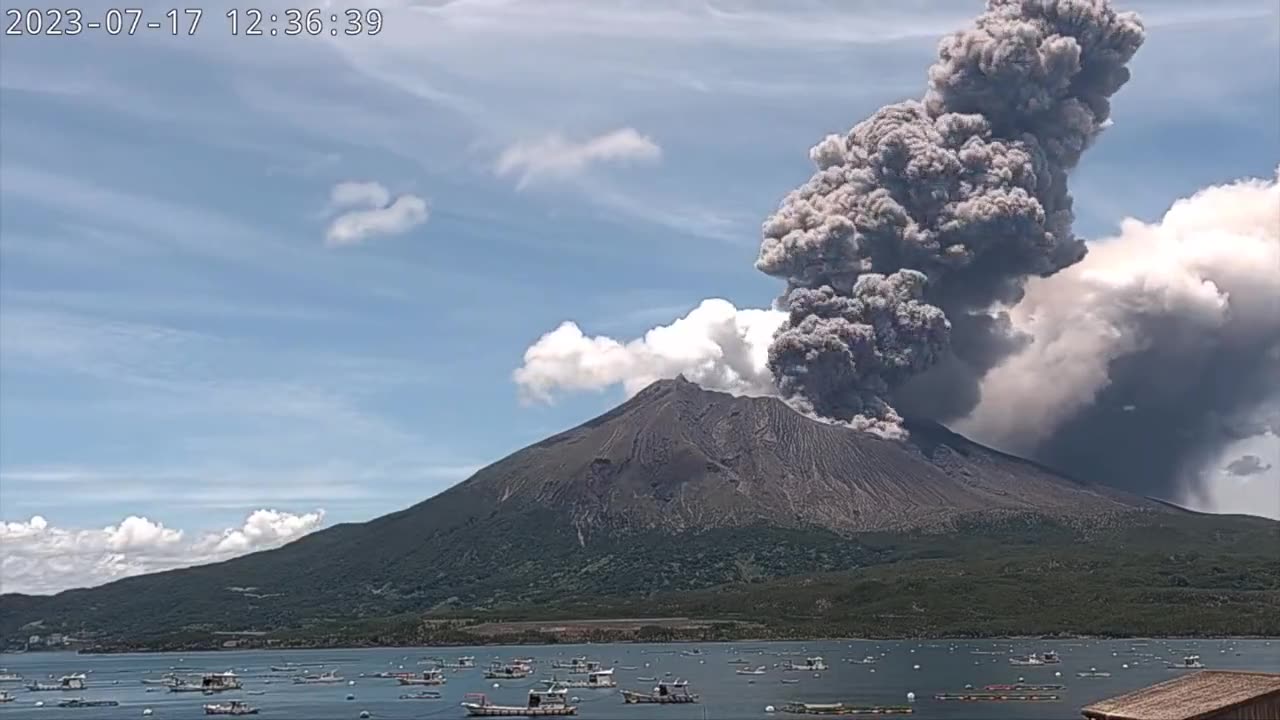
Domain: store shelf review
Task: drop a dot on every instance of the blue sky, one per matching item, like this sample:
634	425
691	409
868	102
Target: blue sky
178	340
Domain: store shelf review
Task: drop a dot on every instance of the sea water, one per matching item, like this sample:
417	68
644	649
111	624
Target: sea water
920	667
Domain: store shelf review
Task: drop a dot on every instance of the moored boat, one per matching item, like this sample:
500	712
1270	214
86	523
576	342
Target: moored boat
813	663
10	677
327	677
541	703
6	696
749	671
235	707
663	694
428	677
595	680
997	697
219	682
498	671
844	709
1190	662
1021	687
82	703
74	681
1093	673
1026	661
423	695
578	663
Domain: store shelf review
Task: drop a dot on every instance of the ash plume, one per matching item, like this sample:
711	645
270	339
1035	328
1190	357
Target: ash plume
967	186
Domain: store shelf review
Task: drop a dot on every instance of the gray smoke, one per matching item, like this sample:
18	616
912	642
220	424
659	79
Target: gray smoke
839	354
1247	465
967	186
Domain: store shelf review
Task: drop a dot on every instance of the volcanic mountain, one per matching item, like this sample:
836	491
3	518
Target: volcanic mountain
677	490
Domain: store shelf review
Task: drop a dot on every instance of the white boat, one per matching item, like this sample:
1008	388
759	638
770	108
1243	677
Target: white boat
597	679
1049	657
541	703
6	696
498	671
663	694
691	653
10	677
66	682
1027	661
813	663
1093	673
325	678
423	695
235	707
868	660
219	682
168	679
461	663
1190	662
578	663
428	677
748	671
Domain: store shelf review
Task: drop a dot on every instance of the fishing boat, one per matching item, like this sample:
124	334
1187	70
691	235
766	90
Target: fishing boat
428	677
461	663
219	682
996	697
810	664
844	709
498	671
868	660
235	707
578	663
423	695
1190	662
10	677
1049	657
749	671
392	674
328	677
1021	687
82	703
6	696
663	694
167	679
594	680
541	703
1026	661
66	682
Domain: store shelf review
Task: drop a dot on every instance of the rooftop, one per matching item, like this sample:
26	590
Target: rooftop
1189	697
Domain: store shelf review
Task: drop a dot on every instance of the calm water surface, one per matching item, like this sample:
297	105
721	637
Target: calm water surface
942	667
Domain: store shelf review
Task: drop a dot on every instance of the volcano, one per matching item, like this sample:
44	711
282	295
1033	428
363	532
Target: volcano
676	491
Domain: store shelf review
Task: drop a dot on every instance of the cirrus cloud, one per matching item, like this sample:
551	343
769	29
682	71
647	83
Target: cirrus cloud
40	558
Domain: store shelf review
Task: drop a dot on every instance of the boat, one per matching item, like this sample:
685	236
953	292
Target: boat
1021	687
1190	662
424	695
1026	661
6	696
748	671
168	679
74	681
10	677
219	682
593	680
868	660
691	653
647	679
498	671
235	707
578	663
325	678
461	663
1093	673
82	703
392	674
739	661
844	709
785	681
428	677
810	664
996	697
294	667
541	703
663	694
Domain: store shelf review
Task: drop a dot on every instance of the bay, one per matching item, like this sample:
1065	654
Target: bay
922	667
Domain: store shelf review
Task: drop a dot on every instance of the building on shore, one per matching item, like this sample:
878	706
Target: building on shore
1205	695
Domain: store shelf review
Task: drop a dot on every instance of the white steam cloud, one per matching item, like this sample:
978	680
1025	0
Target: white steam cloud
39	558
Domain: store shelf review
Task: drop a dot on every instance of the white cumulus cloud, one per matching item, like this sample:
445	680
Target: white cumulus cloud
36	557
715	345
370	210
555	157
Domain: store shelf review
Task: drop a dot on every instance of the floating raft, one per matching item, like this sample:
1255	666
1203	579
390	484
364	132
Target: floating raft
996	697
1021	687
844	709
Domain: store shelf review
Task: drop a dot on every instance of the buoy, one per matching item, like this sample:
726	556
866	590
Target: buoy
1021	679
873	669
351	682
575	698
968	686
146	712
817	675
915	667
351	696
496	685
364	714
39	703
768	708
1125	666
1058	674
911	697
